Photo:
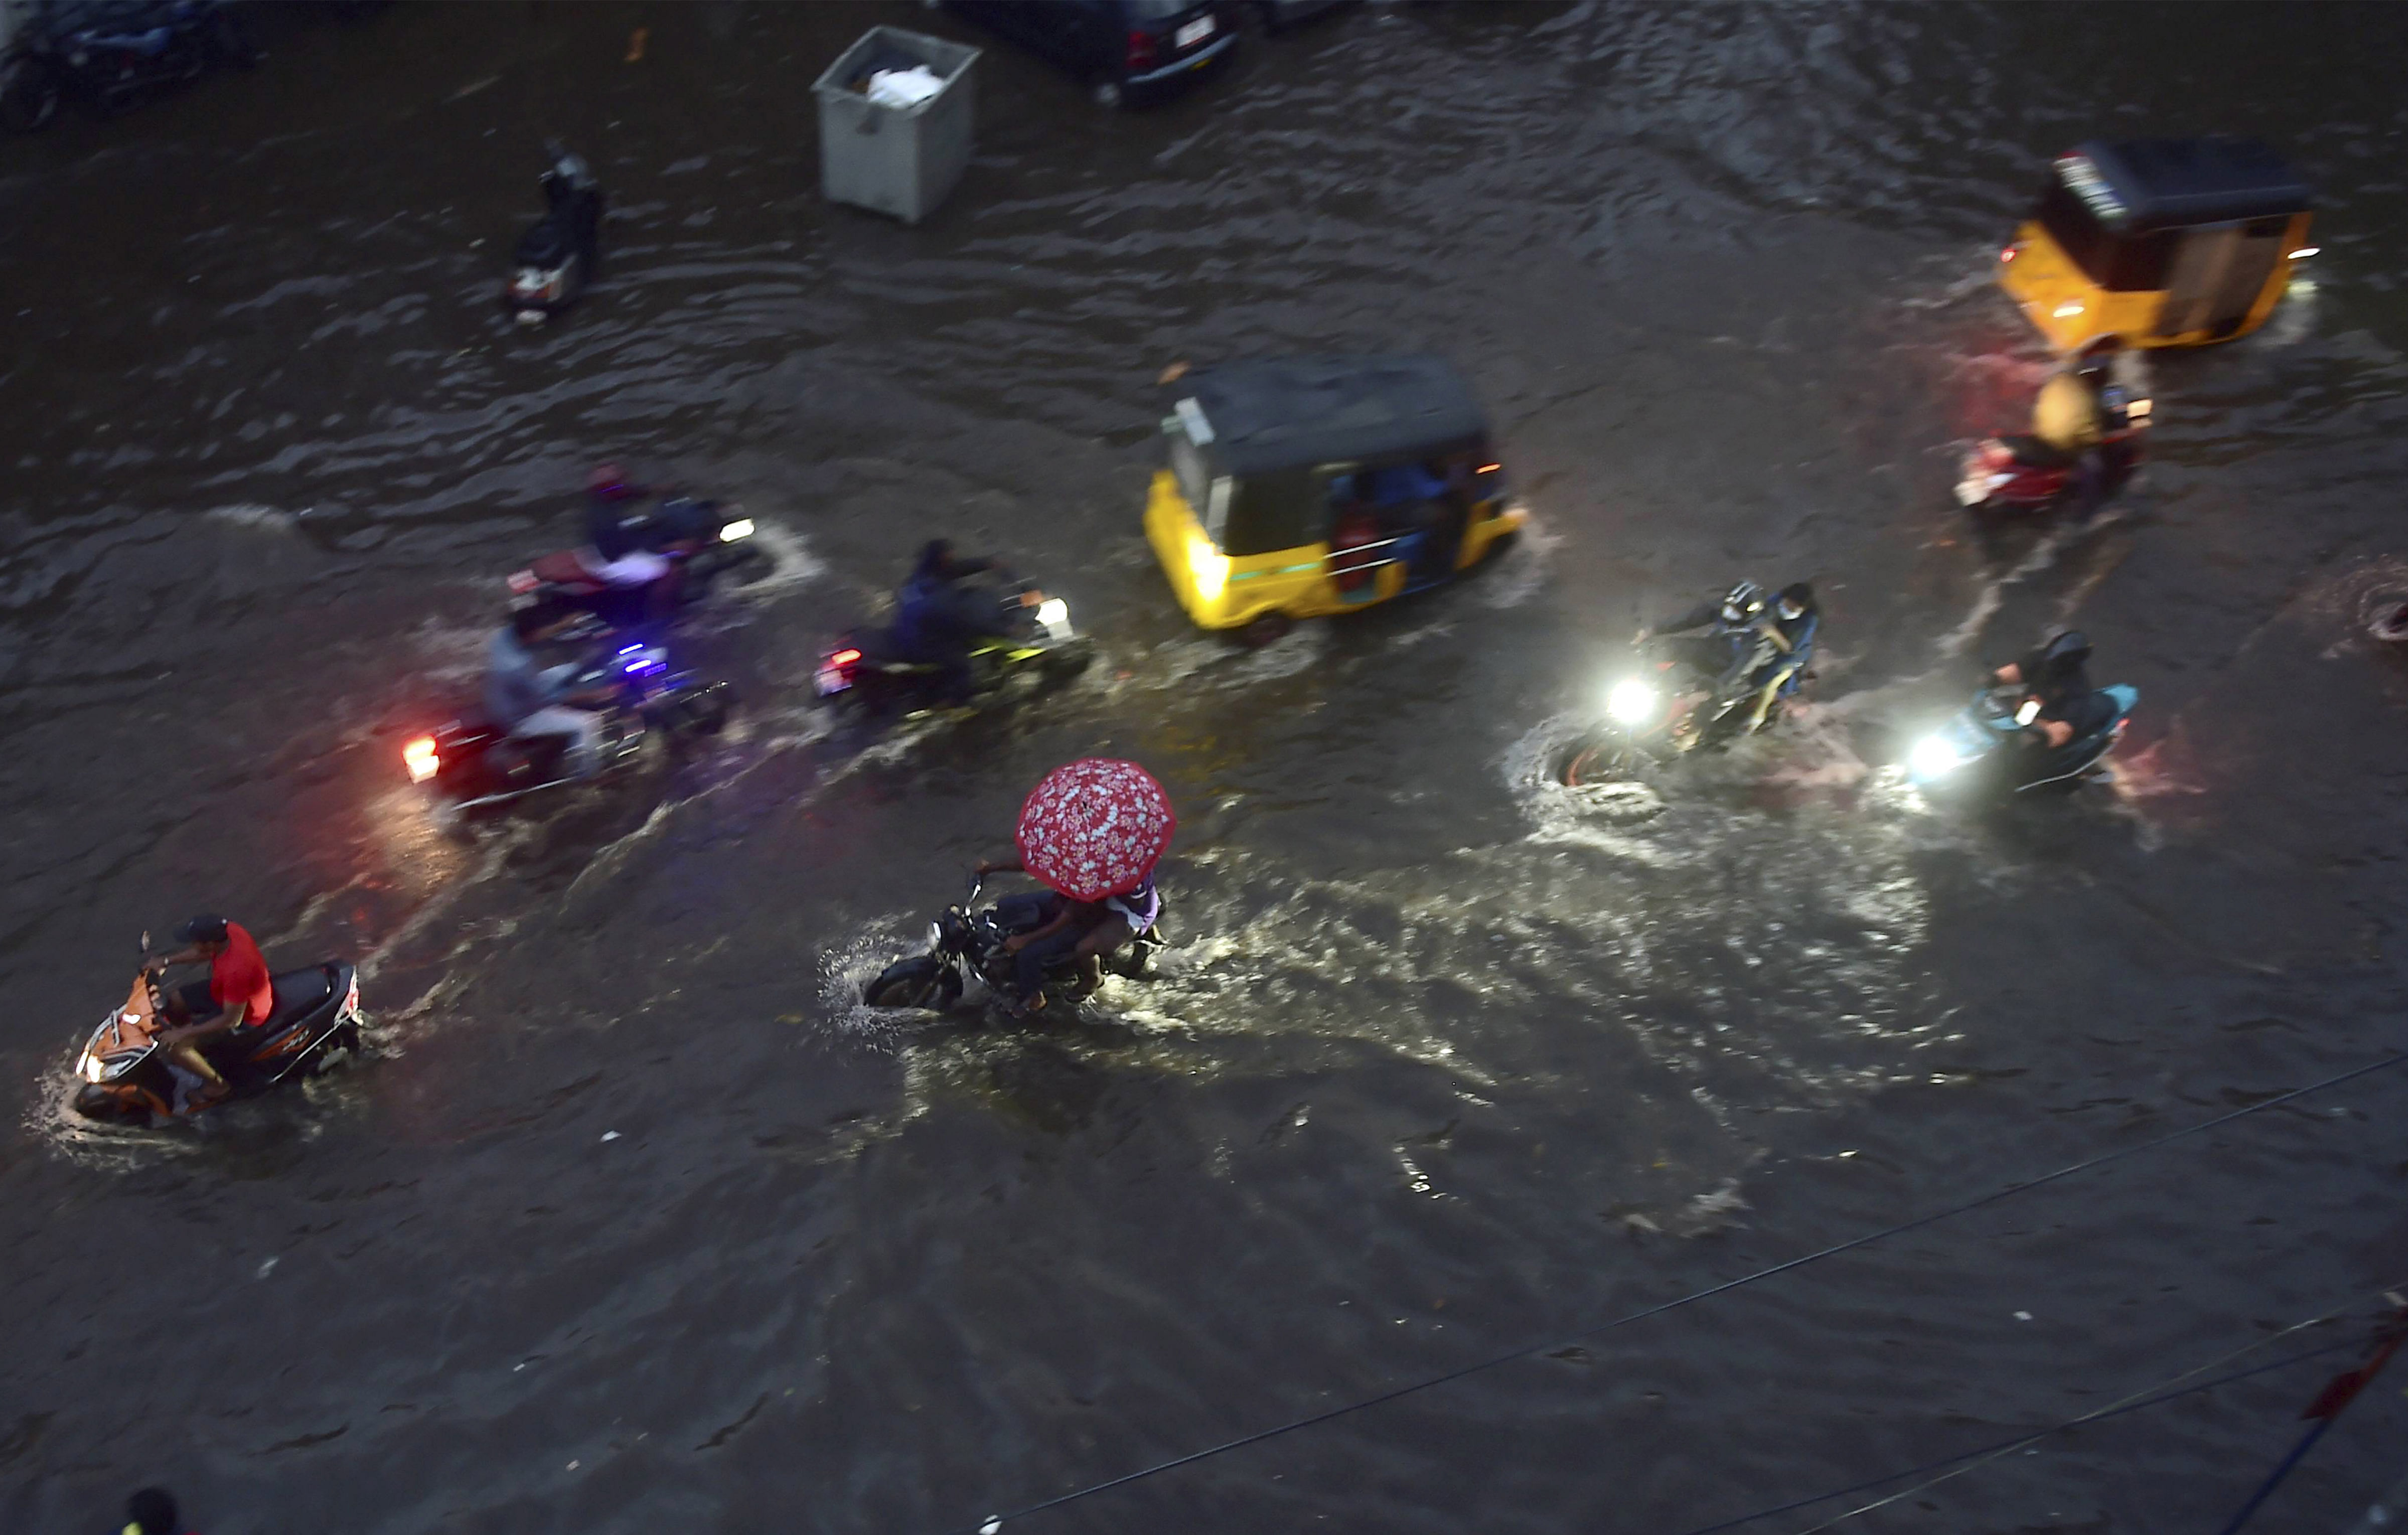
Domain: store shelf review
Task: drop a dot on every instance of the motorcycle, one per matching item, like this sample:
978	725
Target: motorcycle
114	54
475	763
1666	706
702	540
868	670
1978	750
557	258
128	1079
965	943
2020	472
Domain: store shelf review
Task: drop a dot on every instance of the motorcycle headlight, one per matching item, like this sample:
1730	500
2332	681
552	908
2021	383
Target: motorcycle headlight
740	528
97	1068
935	934
1053	612
1933	757
1632	702
2028	712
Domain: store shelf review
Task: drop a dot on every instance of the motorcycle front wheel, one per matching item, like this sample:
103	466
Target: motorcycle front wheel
923	982
29	97
1607	757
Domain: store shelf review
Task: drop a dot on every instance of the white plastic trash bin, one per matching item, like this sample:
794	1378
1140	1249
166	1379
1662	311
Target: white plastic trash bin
901	160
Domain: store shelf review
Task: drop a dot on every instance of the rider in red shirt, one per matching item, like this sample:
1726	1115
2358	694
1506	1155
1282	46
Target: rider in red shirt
237	994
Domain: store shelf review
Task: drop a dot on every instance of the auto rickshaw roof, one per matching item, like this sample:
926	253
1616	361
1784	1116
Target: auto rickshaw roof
1268	414
2161	183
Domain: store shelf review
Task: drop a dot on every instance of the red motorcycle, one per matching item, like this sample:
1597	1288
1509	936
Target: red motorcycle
2020	472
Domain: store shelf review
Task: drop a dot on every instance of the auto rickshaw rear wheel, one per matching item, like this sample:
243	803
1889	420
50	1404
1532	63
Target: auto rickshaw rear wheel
1266	629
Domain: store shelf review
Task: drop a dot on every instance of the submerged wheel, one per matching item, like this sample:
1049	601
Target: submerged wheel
1600	759
1266	629
924	983
1068	661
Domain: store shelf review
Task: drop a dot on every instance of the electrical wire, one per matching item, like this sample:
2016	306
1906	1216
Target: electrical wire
993	1523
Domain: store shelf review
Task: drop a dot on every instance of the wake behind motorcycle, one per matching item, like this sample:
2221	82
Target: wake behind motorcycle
555	260
1982	750
867	670
474	763
966	945
701	541
128	1079
114	54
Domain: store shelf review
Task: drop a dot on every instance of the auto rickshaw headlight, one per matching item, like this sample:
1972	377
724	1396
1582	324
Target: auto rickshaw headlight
1209	566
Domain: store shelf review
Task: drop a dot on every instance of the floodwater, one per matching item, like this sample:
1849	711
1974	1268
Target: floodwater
634	1220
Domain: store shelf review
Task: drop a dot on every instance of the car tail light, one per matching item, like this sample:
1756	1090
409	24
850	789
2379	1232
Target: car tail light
1141	50
352	999
422	759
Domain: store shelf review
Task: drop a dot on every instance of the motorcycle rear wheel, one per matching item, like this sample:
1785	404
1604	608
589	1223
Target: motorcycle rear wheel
922	981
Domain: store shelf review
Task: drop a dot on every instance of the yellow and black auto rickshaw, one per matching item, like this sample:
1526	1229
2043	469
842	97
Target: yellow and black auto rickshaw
1303	486
2166	242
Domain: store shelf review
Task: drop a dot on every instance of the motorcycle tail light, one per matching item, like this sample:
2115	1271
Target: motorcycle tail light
422	759
845	658
524	581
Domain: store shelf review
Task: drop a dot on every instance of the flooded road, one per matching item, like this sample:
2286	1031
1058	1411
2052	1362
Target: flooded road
634	1220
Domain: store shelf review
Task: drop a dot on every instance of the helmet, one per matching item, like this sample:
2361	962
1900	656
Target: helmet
2063	655
1743	602
607	483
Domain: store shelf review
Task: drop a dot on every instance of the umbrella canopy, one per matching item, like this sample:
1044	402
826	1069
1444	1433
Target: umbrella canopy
1094	828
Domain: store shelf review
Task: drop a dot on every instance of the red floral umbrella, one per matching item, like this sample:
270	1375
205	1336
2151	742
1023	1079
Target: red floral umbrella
1094	828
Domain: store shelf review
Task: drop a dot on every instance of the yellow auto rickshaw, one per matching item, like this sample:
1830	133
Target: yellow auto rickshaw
1299	487
2166	242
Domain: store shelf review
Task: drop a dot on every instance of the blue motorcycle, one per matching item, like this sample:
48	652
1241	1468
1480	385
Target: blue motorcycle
1980	747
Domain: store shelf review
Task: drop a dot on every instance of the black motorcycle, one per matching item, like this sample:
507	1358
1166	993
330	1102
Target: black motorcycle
556	259
126	1076
1667	703
114	54
965	943
868	670
475	763
702	540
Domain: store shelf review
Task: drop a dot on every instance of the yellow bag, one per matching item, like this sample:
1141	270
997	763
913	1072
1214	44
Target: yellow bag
2066	416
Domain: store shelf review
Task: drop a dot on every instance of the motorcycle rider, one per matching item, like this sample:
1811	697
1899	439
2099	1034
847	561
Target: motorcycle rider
529	700
236	994
1067	931
2084	410
2058	675
1789	628
936	618
1739	647
642	582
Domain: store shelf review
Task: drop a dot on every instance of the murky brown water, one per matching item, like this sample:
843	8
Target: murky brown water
1448	1061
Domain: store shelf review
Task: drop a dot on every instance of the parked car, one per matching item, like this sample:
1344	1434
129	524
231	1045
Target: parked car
1125	50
